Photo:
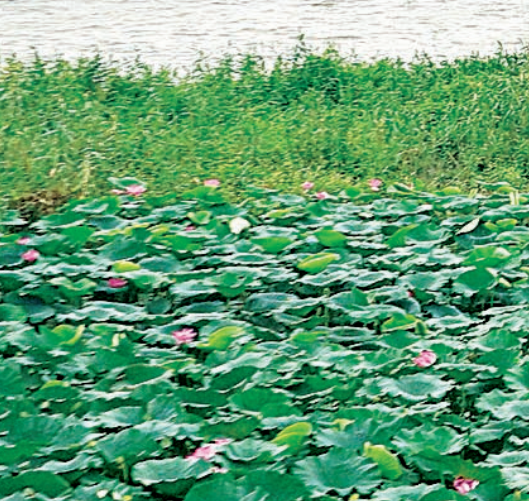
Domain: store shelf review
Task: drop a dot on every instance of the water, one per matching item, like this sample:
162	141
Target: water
175	32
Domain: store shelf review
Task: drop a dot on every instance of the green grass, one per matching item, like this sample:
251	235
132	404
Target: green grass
66	127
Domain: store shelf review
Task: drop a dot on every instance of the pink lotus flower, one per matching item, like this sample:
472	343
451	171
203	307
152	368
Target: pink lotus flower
410	293
31	255
190	227
307	185
223	441
206	452
375	184
133	189
24	241
425	358
213	183
116	283
465	485
322	195
184	336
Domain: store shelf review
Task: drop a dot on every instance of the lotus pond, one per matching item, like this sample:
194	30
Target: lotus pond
366	346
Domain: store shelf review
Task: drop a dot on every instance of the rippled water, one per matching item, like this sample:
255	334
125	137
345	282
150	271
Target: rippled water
175	31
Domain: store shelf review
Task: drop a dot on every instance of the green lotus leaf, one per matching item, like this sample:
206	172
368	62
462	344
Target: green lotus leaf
46	482
13	383
293	436
286	215
273	245
353	435
222	338
103	311
400	321
69	289
512	409
13	280
267	302
278	486
317	262
331	238
487	257
232	378
162	264
477	279
123	249
103	205
517	478
470	226
128	446
219	487
338	470
417	387
326	278
398	239
84	461
202	217
232	284
62	335
78	235
258	400
191	288
9	256
351	300
442	439
147	280
517	378
16	453
125	266
426	281
140	373
238	429
56	390
12	313
388	463
491	431
252	450
206	195
181	244
406	493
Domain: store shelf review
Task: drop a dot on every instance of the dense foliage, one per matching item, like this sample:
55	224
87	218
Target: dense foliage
66	127
363	346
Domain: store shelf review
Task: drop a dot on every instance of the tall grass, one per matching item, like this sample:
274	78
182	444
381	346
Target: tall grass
66	127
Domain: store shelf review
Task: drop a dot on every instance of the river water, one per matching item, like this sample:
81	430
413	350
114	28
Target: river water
175	32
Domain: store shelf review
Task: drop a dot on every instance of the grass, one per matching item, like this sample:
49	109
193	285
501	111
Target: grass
66	127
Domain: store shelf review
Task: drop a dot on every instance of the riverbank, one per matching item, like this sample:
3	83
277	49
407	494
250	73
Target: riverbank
66	127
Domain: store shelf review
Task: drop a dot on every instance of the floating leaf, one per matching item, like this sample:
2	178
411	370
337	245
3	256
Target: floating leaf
293	436
331	238
317	262
222	338
388	463
339	470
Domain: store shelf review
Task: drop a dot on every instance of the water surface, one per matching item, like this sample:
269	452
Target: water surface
174	32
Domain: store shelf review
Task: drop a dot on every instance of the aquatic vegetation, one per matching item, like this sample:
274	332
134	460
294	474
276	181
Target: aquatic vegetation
370	345
66	127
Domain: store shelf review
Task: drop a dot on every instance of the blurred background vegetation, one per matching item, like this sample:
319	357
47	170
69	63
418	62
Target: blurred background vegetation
66	127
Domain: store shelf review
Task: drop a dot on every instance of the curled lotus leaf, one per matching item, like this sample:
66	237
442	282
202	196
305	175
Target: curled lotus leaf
317	262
